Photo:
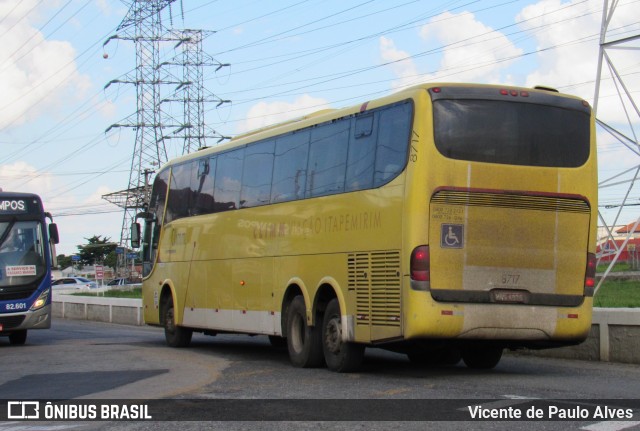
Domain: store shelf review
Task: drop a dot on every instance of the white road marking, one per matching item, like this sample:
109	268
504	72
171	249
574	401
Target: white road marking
20	426
610	426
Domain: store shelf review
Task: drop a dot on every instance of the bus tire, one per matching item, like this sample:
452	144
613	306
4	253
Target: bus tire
176	336
18	338
481	358
340	356
303	341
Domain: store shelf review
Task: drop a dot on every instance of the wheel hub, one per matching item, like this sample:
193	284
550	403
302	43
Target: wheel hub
333	336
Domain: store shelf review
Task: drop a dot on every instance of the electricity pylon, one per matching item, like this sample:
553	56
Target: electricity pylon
142	25
191	92
617	44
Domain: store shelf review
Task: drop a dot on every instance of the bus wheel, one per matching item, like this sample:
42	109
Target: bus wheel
340	356
18	338
176	336
303	341
482	358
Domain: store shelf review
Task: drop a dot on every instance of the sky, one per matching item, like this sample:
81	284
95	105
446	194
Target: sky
283	59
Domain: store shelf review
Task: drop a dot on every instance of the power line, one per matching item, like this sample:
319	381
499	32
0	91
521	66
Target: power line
309	83
21	18
38	32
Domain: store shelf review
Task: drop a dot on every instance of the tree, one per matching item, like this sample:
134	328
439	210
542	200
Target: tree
111	260
96	250
64	261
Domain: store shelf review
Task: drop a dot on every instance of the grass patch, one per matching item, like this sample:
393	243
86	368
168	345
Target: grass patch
136	292
618	267
618	294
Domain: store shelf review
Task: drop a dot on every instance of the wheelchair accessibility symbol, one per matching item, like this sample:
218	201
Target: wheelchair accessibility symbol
451	235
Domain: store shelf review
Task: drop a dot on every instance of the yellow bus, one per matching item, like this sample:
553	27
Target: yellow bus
447	222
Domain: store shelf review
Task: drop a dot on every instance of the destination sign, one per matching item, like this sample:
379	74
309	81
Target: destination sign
14	206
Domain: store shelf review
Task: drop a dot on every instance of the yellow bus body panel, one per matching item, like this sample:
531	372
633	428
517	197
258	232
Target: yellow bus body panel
231	270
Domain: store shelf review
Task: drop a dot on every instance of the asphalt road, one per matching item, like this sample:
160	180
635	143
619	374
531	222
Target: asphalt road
89	361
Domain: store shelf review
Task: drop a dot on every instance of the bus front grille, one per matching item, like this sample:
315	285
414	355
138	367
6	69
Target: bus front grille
10	322
9	293
375	277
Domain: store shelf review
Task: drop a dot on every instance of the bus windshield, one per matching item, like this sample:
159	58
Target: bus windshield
525	134
21	253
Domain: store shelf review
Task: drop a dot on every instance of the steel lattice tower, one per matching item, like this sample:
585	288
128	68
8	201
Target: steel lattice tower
142	25
615	45
191	92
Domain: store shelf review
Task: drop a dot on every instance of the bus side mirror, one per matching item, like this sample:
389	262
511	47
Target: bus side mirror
53	233
135	235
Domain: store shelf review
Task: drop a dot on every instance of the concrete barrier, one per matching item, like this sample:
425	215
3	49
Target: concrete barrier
125	311
614	336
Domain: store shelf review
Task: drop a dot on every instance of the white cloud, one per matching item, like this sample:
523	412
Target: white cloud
566	37
401	63
263	114
471	50
37	76
12	177
467	49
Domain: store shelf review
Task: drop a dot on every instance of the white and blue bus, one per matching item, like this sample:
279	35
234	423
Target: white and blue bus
27	254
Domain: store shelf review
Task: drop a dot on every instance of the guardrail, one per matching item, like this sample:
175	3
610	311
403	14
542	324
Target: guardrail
614	336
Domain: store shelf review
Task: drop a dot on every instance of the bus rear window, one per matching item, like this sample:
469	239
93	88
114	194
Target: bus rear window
511	133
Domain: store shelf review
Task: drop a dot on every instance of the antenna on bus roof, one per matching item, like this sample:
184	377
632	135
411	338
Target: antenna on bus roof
545	88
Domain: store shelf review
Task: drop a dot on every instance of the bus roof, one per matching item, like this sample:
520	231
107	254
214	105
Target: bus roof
10	195
331	114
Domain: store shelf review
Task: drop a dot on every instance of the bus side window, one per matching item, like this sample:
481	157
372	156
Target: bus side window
393	142
362	153
202	183
158	195
290	167
328	158
179	192
257	175
228	180
363	126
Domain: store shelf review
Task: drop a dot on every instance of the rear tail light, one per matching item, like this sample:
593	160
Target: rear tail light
514	93
590	275
419	267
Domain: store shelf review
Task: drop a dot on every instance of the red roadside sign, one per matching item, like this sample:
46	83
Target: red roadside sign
99	272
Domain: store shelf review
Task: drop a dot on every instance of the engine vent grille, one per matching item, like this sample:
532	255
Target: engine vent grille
375	277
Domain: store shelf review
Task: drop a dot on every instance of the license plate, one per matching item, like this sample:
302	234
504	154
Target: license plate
510	296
